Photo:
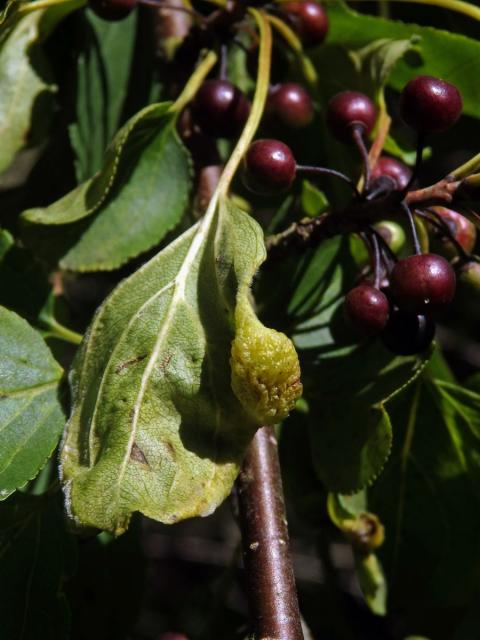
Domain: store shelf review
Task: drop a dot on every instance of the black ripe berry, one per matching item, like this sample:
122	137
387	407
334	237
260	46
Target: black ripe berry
220	109
112	10
269	167
347	110
399	172
309	19
423	283
367	309
430	105
407	334
291	105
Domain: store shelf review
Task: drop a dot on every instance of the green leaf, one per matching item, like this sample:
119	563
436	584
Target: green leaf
139	196
350	445
120	158
377	59
103	71
31	418
25	78
366	533
428	500
314	201
6	241
450	56
147	205
372	582
155	426
347	381
35	555
351	432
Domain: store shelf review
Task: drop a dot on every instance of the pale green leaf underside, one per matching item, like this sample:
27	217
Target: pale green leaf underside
155	426
147	205
22	83
31	418
120	157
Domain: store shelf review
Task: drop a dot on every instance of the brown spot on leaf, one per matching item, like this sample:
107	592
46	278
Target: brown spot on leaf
128	363
137	454
171	450
165	362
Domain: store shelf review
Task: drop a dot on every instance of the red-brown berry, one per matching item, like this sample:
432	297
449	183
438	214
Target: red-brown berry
399	172
464	231
367	309
220	109
430	105
423	283
270	167
350	109
309	19
290	105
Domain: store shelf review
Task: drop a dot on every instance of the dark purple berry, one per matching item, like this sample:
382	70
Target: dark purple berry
172	635
423	283
367	309
464	231
220	109
290	105
347	110
309	19
407	334
269	167
112	10
430	105
399	172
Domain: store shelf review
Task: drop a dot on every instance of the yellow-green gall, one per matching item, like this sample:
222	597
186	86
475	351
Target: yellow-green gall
265	368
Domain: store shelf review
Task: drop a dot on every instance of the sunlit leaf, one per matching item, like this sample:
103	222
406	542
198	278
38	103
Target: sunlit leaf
25	77
155	426
31	418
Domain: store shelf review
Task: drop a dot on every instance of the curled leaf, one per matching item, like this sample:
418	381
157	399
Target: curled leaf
155	425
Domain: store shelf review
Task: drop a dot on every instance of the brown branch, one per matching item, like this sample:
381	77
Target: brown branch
311	231
271	582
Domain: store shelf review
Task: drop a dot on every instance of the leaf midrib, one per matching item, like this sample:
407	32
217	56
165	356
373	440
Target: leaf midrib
178	296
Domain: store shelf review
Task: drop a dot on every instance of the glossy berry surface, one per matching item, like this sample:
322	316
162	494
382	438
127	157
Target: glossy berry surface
269	167
291	105
430	105
309	19
348	109
399	172
220	109
423	283
112	10
367	309
461	228
407	334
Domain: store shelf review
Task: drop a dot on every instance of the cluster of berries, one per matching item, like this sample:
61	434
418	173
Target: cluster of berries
407	294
